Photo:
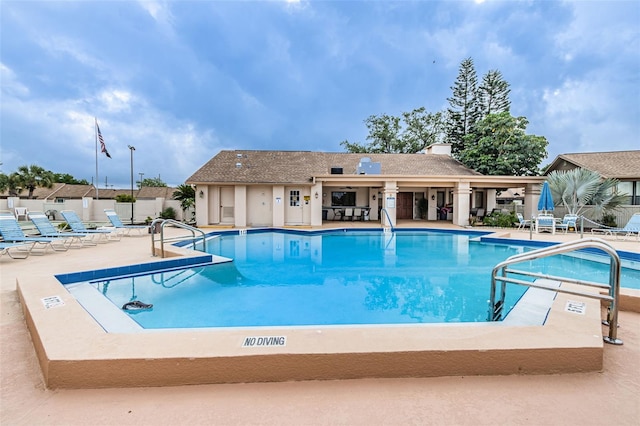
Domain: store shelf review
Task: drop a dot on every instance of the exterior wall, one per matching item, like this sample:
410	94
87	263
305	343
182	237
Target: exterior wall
91	210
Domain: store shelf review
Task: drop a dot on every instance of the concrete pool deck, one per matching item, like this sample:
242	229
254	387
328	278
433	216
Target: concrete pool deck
587	398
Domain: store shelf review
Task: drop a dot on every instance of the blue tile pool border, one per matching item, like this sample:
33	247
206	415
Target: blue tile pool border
141	268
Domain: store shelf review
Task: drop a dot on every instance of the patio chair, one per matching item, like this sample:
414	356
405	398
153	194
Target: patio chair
15	250
569	221
46	229
348	213
21	212
632	228
127	229
545	223
357	214
101	234
11	232
522	222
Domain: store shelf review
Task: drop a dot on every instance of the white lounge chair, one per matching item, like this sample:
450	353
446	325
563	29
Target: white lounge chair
11	232
632	228
127	229
76	225
47	230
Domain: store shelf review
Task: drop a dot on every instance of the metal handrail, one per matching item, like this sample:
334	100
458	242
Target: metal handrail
388	217
501	270
163	223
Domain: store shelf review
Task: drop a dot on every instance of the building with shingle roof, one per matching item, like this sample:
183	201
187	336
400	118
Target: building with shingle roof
279	188
621	165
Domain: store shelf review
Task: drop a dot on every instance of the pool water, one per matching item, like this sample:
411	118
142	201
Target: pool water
337	278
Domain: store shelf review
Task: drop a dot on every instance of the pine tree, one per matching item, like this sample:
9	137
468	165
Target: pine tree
463	112
493	94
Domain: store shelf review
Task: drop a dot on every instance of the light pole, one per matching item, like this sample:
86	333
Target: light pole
131	148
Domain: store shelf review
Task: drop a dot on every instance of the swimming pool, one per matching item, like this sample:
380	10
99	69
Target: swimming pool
335	278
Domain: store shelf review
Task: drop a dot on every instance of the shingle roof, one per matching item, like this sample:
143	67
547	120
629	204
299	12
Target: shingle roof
301	166
614	164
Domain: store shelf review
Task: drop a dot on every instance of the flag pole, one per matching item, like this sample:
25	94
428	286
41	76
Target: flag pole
95	131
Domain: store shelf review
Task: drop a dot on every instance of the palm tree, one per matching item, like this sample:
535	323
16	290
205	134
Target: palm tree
186	194
578	188
31	177
9	183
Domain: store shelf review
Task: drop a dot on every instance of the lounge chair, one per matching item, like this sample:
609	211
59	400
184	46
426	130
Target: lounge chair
522	222
545	222
15	250
11	232
127	229
46	229
569	221
76	225
632	228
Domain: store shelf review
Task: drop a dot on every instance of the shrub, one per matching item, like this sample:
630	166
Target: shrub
125	198
168	213
501	220
609	220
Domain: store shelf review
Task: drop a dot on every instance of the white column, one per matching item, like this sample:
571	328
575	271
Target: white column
389	203
461	203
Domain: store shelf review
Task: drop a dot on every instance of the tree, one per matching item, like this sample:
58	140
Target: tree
493	94
384	136
32	177
10	184
418	130
155	182
67	178
463	112
186	194
579	187
422	129
498	145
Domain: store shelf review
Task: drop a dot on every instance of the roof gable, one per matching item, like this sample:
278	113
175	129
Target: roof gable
614	164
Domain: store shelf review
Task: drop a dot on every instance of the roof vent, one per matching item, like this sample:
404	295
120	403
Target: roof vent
367	167
336	170
238	165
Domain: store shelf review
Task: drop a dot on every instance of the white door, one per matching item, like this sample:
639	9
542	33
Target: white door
227	202
293	213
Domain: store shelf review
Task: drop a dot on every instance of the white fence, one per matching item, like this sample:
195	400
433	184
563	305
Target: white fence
91	210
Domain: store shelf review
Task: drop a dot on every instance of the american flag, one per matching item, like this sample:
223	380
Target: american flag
103	147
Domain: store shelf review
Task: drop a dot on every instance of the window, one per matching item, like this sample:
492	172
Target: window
343	198
632	191
294	198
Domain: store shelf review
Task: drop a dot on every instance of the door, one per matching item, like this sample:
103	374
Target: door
227	203
404	205
293	213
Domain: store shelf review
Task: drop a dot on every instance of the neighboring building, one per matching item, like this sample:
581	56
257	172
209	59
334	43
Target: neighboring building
621	165
279	188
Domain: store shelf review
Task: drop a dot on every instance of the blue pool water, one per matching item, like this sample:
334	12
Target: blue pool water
288	279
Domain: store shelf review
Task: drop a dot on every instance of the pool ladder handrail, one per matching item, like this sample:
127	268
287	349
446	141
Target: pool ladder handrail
501	270
165	222
388	218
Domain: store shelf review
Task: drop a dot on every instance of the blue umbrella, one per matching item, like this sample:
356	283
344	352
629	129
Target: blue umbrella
546	199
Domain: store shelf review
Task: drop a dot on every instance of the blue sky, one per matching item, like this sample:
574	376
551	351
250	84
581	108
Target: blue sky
182	80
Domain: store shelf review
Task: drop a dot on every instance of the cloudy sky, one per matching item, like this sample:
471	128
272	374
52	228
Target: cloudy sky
182	80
